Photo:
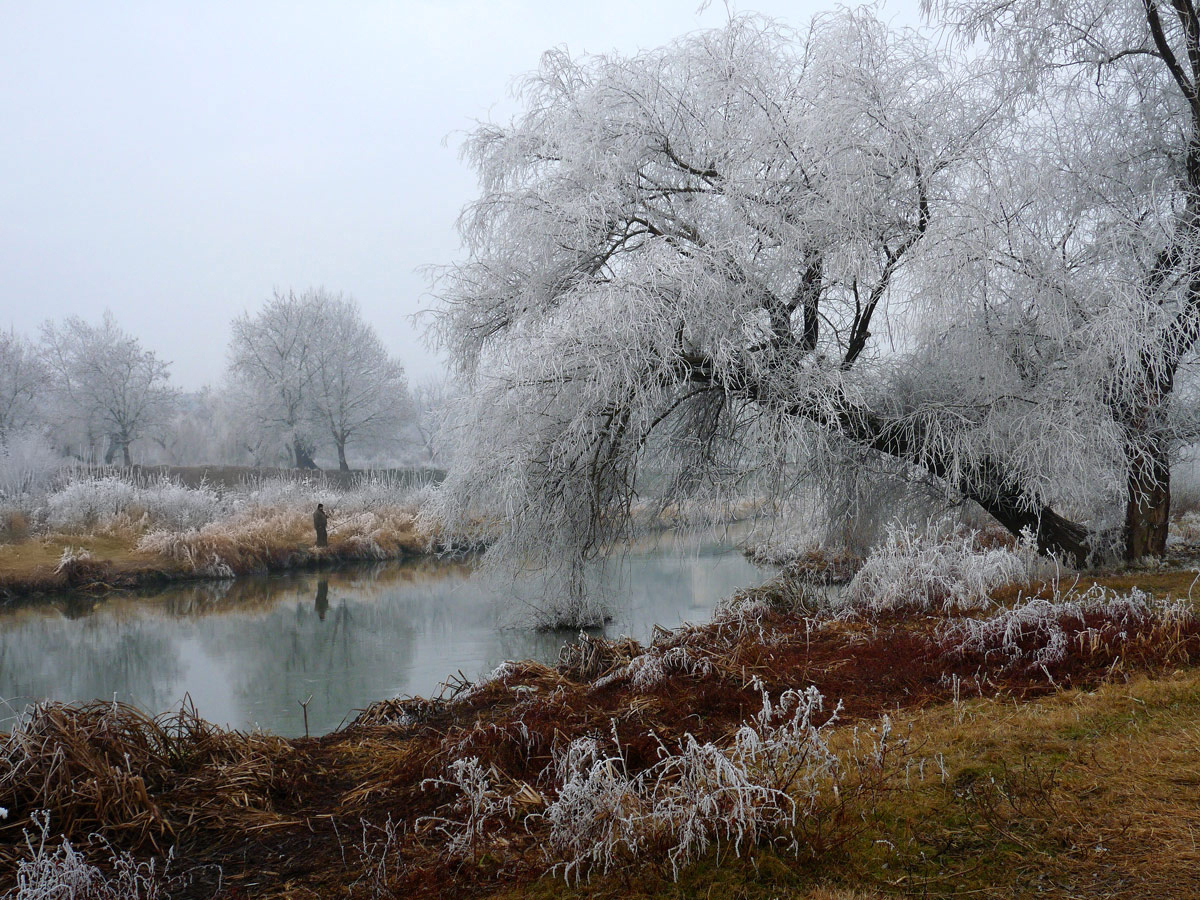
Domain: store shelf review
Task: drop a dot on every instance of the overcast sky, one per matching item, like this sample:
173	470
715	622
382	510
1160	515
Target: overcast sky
176	162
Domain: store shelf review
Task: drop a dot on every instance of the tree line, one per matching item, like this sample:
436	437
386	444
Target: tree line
306	375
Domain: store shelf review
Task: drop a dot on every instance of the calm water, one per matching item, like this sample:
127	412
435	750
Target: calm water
248	651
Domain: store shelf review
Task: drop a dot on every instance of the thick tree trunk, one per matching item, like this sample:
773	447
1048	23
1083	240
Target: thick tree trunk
125	454
1055	535
341	449
301	455
1148	507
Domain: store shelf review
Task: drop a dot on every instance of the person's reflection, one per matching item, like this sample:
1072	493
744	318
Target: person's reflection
322	598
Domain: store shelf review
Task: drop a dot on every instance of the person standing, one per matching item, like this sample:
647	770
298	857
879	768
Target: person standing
320	521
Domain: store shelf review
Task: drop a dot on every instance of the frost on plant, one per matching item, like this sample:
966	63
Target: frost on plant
698	795
475	813
656	666
922	569
1038	631
64	873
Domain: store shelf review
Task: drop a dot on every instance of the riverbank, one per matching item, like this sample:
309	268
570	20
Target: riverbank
97	533
1034	747
123	561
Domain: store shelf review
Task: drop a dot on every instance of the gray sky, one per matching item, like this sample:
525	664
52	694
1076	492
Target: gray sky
175	162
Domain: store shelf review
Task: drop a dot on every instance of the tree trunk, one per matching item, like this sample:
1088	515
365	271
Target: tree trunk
302	455
1148	506
341	448
125	453
111	453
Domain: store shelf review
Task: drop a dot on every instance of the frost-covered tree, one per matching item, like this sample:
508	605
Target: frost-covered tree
702	256
431	403
311	369
271	358
22	379
1099	231
105	383
759	259
358	392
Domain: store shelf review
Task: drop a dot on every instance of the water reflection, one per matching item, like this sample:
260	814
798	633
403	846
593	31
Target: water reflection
248	650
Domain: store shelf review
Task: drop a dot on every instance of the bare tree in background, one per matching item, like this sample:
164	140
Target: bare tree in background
22	380
104	381
271	364
431	400
358	392
308	366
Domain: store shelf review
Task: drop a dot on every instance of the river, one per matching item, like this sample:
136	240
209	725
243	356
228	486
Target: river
247	652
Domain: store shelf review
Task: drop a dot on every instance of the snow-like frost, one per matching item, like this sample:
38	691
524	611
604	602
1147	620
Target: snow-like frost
697	795
64	873
1040	631
923	569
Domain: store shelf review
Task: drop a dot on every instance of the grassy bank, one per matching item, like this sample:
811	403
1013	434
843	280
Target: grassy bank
99	533
1041	746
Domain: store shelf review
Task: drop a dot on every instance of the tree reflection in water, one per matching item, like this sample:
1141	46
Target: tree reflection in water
248	650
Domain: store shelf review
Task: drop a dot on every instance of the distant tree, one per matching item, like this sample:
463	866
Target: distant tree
309	366
271	359
431	401
358	392
104	381
22	380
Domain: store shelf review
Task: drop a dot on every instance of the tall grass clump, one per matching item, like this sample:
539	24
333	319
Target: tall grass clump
64	873
929	569
765	786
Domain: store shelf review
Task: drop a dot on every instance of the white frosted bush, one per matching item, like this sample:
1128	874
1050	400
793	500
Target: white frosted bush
656	666
101	502
922	569
473	814
698	795
63	873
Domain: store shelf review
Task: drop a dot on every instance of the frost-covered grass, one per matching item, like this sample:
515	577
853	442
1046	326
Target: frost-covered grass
1042	631
213	531
698	795
916	570
48	871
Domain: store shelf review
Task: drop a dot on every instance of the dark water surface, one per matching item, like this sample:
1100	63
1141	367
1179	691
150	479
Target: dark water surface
248	651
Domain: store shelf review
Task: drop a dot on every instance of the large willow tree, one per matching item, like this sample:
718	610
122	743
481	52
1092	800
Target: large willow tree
757	257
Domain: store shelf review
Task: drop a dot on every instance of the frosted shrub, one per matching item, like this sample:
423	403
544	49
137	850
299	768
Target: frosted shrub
656	666
698	795
1040	632
71	559
65	874
474	814
107	501
920	569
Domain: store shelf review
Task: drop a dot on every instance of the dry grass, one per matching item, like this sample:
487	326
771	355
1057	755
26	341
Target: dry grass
109	769
252	542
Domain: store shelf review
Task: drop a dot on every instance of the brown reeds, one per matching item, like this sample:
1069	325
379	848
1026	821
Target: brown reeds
140	781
